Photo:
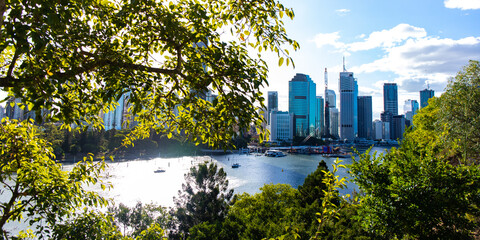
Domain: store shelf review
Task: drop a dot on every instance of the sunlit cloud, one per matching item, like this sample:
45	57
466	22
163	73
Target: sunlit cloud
342	12
462	4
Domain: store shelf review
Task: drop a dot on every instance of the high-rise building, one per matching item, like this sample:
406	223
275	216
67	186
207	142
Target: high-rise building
113	119
424	96
272	103
319	118
398	123
2	112
365	117
334	115
410	108
281	126
377	130
13	110
390	98
332	98
301	103
348	105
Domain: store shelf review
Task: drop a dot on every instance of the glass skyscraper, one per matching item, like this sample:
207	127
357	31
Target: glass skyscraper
424	96
302	104
390	98
272	103
365	117
319	118
348	106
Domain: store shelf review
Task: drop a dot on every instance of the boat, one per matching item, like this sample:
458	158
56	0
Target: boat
235	165
275	153
159	170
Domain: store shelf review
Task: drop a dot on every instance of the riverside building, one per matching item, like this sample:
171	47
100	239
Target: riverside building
301	103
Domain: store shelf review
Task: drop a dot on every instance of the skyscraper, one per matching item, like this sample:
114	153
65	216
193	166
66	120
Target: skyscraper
114	119
281	126
424	96
319	118
365	117
272	103
398	123
334	122
390	98
348	105
410	108
301	103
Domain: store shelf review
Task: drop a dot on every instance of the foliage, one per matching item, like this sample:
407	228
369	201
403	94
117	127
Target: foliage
89	226
460	111
414	192
204	197
77	58
154	231
313	188
139	218
267	214
330	201
37	187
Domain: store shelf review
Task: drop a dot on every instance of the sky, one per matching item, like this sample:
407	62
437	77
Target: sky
411	43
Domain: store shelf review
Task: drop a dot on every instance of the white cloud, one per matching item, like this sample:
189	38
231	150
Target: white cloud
323	39
419	60
388	38
462	4
342	12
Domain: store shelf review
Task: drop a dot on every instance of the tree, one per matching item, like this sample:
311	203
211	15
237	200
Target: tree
139	218
419	190
37	188
270	213
77	58
460	111
204	197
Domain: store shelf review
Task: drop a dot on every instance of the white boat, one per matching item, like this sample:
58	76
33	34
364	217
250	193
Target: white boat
159	170
275	153
235	165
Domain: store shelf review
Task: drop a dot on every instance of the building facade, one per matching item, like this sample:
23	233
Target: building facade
410	108
398	123
301	103
424	96
272	103
390	98
281	126
348	106
365	115
334	121
319	118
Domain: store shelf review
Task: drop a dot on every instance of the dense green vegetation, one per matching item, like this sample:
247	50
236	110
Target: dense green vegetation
71	60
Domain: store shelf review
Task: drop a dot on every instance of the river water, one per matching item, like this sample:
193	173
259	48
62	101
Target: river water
135	181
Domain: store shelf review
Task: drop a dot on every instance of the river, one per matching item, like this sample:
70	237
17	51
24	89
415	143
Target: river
135	180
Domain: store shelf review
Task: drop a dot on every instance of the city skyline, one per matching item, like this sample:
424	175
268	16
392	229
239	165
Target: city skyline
407	42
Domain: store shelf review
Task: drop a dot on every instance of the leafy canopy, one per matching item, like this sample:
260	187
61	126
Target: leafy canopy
36	188
76	59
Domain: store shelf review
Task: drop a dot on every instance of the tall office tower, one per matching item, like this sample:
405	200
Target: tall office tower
390	98
319	118
377	130
365	117
281	126
14	112
326	130
348	104
398	127
410	108
387	117
424	96
272	103
114	118
301	103
332	98
334	122
2	112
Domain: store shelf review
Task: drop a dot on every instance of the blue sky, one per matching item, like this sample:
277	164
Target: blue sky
402	41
